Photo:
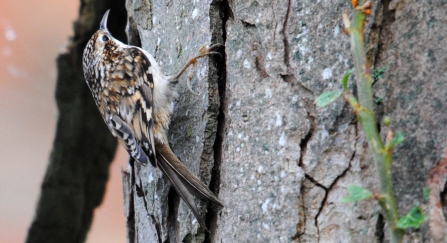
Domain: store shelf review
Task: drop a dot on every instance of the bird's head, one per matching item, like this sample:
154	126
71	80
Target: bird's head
101	51
101	43
102	39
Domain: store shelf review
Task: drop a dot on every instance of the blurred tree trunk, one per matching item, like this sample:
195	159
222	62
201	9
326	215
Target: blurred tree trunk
279	164
78	170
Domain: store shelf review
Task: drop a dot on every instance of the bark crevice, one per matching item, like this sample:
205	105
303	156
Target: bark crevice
173	223
307	138
287	77
219	12
380	229
328	189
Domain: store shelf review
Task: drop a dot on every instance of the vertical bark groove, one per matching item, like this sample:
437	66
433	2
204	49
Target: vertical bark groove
288	77
219	15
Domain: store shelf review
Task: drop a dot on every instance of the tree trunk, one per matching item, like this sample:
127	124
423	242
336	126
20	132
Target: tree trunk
254	134
78	170
279	163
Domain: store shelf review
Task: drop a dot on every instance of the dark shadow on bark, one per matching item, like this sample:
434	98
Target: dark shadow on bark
83	148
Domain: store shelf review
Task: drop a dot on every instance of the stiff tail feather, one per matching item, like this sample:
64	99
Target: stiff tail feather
185	183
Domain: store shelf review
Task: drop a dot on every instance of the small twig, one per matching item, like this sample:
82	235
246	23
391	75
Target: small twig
365	115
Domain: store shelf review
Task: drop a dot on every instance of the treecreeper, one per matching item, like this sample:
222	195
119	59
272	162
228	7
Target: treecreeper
135	99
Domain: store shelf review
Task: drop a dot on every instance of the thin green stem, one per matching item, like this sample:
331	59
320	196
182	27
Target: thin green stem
366	118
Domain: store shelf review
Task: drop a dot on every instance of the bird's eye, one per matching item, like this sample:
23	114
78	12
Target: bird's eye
105	38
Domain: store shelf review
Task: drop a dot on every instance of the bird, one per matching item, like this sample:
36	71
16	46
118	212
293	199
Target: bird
135	99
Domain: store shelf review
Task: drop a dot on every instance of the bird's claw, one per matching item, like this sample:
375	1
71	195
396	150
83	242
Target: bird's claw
203	52
207	51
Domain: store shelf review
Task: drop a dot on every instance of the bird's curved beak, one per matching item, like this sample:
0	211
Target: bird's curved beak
103	25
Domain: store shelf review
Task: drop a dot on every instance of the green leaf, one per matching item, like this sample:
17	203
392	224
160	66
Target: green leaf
265	147
180	51
414	219
426	194
357	193
377	73
344	80
398	138
379	100
328	97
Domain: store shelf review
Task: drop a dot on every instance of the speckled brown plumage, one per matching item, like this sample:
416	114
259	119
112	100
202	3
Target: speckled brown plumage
135	99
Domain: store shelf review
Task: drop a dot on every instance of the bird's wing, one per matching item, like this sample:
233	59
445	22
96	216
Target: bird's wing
142	122
121	130
136	106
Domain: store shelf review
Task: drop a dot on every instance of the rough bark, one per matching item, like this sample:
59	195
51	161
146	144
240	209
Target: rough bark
156	212
412	45
78	169
280	163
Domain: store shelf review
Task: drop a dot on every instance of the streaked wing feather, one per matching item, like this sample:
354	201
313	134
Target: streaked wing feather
140	101
126	137
144	119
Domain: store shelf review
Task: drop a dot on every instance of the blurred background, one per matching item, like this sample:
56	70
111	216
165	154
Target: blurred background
32	34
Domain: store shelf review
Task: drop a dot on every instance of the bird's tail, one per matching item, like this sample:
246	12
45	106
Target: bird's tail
185	183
